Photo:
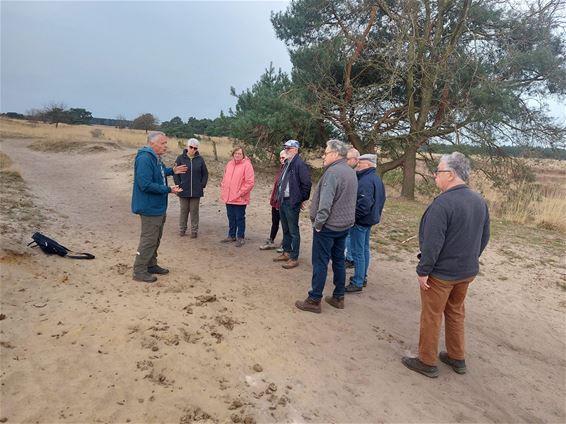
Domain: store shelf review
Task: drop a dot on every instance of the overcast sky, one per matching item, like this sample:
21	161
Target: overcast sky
111	58
132	57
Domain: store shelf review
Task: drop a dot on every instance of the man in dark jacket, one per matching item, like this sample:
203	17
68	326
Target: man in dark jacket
369	204
293	188
332	213
453	233
193	183
149	201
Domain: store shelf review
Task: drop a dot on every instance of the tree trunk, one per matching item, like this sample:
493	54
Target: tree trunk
409	167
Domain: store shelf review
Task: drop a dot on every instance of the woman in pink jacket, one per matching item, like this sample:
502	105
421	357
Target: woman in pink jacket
237	183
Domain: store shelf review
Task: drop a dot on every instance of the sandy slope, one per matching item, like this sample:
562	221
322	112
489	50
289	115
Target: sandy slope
82	342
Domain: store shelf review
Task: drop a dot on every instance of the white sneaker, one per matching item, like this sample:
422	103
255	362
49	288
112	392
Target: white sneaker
269	245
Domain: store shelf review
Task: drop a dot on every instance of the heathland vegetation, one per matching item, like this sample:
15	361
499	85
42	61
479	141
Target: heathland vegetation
537	200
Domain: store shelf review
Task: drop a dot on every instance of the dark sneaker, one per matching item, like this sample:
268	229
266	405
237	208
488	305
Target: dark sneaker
194	234
240	242
182	233
334	301
228	240
291	263
283	257
145	277
416	365
365	281
308	305
350	288
156	269
349	264
458	365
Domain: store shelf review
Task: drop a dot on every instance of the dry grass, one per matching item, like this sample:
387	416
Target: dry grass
18	214
69	138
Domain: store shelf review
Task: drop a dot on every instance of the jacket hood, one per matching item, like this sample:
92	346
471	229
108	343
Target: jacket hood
147	149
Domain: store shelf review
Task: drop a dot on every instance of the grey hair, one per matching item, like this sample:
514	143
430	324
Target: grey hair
355	152
458	163
338	146
154	135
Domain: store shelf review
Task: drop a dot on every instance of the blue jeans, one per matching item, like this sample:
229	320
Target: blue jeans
360	252
348	248
327	245
236	220
290	225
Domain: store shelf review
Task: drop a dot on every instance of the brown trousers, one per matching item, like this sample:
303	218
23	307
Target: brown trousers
443	297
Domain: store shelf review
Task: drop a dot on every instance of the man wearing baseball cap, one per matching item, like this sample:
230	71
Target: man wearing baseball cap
293	188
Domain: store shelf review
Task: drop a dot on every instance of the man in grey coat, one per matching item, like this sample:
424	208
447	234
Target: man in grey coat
332	213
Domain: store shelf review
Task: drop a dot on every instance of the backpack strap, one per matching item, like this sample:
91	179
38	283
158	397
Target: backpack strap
79	255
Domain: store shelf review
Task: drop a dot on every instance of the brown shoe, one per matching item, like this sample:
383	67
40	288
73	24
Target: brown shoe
291	263
194	234
283	257
334	301
308	305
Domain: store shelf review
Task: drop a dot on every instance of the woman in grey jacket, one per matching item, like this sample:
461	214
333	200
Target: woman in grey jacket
193	184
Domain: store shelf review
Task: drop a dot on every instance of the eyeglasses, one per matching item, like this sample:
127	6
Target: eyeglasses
288	148
193	147
438	171
327	153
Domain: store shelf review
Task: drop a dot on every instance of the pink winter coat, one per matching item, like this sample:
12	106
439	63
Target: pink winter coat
237	182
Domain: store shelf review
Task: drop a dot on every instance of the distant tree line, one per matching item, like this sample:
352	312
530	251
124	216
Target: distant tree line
217	127
537	152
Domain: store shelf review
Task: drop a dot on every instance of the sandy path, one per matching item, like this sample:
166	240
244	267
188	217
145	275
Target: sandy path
82	342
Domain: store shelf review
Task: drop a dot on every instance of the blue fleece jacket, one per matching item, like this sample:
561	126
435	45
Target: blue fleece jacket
149	196
371	198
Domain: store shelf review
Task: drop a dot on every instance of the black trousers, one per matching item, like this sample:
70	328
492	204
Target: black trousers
275	218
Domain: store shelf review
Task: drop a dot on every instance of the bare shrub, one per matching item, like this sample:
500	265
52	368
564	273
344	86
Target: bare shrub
97	133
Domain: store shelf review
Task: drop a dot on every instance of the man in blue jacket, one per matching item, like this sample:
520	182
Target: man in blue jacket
369	205
453	233
293	188
149	201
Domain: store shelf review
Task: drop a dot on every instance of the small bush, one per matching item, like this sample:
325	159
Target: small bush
97	133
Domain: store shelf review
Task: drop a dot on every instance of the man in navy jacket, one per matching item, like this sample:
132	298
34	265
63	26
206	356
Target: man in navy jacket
369	205
293	188
149	201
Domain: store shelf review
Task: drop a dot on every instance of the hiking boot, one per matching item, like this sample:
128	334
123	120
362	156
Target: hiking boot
309	305
228	240
240	242
145	277
349	264
194	234
156	269
283	257
291	263
458	365
350	288
416	365
280	250
338	303
182	233
268	245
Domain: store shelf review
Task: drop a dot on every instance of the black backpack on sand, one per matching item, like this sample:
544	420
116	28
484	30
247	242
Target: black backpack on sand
51	247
